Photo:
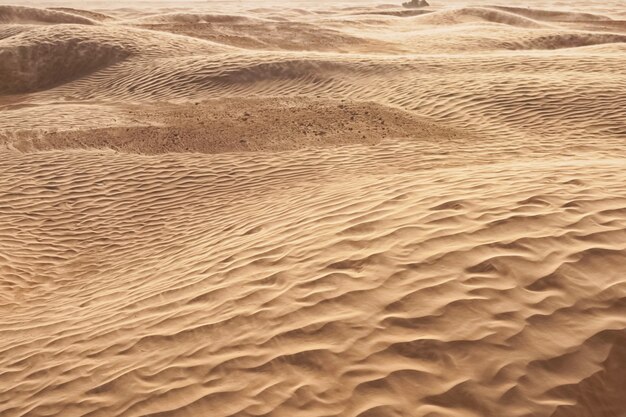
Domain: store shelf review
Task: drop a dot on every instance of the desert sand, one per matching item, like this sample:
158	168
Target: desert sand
354	209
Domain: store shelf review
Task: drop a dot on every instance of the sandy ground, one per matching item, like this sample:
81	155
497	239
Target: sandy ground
346	208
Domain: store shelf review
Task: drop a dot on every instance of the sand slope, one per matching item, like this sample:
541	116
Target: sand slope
236	125
337	210
25	15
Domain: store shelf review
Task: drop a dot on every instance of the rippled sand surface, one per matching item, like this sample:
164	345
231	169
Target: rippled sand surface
315	209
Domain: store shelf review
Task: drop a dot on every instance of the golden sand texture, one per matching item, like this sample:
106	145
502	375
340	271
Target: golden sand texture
323	209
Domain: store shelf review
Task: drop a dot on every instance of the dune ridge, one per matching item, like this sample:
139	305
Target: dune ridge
552	15
467	14
339	209
30	61
516	98
33	15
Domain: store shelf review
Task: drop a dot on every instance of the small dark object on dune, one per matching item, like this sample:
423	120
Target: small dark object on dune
414	4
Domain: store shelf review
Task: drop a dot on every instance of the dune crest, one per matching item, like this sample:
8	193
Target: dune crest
472	14
33	15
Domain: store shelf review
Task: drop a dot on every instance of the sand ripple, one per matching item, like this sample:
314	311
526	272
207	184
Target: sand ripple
360	211
244	287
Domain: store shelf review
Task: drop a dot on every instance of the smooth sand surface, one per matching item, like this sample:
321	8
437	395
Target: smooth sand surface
345	208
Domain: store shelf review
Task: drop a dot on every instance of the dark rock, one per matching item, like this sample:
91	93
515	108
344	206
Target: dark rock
414	4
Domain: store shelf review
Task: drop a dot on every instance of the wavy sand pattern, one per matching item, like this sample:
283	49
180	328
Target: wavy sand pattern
329	209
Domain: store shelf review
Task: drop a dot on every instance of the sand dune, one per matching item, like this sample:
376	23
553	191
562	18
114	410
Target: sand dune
473	14
25	15
51	55
397	13
6	31
73	54
236	124
405	288
268	32
552	15
334	209
191	18
85	13
512	95
570	40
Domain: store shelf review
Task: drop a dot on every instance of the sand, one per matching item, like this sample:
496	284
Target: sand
322	209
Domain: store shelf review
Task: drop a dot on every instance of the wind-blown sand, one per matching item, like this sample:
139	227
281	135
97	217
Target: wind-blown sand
328	209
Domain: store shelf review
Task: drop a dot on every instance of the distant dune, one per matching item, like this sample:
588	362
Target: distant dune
20	14
333	209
